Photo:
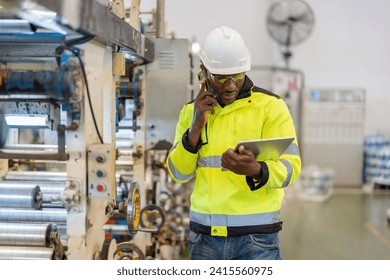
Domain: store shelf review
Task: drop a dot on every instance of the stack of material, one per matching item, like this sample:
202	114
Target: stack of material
377	160
315	184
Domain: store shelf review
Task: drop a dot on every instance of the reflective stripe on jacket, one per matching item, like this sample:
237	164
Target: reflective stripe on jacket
222	198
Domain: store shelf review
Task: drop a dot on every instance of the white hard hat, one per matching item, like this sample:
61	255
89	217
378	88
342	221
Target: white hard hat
224	52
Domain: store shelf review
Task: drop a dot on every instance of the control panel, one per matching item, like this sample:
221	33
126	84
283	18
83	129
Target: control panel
101	171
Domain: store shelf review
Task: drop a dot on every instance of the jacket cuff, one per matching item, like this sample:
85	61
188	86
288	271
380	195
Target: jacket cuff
264	175
187	146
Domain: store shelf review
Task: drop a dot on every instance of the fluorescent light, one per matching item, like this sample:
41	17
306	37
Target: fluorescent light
27	121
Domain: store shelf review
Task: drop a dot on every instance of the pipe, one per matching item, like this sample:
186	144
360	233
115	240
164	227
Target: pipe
160	19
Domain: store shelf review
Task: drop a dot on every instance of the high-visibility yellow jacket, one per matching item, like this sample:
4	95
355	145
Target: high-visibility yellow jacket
222	202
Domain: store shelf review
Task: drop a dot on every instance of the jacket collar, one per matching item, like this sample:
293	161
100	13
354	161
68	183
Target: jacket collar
246	88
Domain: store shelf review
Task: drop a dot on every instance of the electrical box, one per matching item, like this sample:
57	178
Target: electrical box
168	86
101	171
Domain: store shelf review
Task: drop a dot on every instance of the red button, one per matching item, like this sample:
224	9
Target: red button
100	188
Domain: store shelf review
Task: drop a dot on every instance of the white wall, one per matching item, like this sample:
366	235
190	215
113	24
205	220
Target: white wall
349	46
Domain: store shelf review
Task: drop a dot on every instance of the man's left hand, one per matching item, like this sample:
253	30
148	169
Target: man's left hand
242	162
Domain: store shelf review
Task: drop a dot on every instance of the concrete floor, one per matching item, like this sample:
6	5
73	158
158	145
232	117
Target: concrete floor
349	225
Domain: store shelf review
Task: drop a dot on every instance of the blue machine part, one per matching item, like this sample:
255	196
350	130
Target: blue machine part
117	112
75	112
136	96
137	101
131	89
123	88
58	85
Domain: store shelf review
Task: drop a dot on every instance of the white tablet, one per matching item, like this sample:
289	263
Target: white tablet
271	148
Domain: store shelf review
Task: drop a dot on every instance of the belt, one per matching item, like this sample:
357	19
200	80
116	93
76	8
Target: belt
238	231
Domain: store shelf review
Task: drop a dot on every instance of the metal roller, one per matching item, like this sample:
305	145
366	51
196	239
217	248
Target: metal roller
14	234
36	176
53	205
26	253
16	184
32	147
14	196
48	186
33	216
121	193
51	191
12	26
115	229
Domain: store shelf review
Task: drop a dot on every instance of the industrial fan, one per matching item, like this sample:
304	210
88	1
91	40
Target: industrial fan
290	22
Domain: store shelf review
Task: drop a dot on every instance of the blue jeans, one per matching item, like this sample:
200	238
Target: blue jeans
246	247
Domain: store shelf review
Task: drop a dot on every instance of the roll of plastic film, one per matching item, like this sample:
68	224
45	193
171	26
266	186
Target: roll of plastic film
32	215
36	235
22	176
51	191
20	197
26	253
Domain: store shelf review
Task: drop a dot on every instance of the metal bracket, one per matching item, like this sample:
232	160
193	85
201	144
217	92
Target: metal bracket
71	196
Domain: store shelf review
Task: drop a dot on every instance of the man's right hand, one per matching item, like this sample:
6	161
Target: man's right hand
203	103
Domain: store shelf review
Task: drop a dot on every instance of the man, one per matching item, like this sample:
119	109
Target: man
234	214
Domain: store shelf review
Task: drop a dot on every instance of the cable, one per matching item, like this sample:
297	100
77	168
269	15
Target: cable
68	46
89	99
78	41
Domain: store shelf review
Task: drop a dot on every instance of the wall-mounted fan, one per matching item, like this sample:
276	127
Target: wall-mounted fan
290	22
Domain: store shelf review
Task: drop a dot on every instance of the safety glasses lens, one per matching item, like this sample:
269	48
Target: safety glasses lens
223	78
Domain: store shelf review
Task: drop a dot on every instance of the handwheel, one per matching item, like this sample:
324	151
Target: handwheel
108	249
133	208
152	216
128	251
167	201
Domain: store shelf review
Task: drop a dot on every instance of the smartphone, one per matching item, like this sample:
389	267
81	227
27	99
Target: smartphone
202	77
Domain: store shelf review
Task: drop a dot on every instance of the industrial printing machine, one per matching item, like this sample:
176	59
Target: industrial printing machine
81	172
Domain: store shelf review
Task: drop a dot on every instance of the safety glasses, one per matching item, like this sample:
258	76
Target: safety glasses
223	78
